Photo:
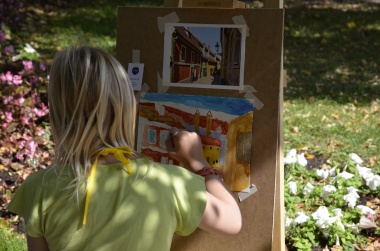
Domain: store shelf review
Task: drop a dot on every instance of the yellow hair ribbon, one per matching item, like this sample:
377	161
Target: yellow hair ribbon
118	152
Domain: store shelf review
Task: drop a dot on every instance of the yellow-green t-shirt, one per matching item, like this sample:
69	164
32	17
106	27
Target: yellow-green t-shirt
138	211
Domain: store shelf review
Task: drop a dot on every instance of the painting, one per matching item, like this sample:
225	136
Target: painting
204	56
223	124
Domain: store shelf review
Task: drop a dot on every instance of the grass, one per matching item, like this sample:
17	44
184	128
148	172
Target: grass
331	55
333	130
83	22
10	241
332	98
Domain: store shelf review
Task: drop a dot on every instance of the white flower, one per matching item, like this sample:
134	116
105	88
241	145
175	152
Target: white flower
339	223
365	209
301	218
338	212
346	175
292	187
356	158
354	228
373	182
291	157
365	223
301	159
308	189
323	174
288	223
364	172
332	172
322	217
351	197
327	191
352	189
29	49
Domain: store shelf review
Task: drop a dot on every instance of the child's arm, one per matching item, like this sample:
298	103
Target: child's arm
222	214
36	244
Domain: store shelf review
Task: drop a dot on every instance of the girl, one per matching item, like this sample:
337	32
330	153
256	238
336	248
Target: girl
99	193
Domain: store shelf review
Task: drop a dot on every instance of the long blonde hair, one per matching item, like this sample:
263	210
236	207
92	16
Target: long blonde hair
92	107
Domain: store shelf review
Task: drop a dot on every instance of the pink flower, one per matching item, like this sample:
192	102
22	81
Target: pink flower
4	126
21	144
39	131
28	65
19	101
2	36
41	112
25	120
34	80
17	79
9	49
38	112
30	148
7	99
8	117
42	67
20	156
8	77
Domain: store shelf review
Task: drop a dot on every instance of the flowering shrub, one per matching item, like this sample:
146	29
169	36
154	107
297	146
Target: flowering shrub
24	132
323	206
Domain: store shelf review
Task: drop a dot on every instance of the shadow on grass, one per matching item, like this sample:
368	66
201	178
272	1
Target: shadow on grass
54	25
330	53
333	53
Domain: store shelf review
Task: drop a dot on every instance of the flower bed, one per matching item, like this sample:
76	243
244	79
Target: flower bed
333	206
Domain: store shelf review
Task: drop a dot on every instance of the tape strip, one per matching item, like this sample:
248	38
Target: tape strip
144	87
249	90
136	56
241	21
247	192
160	87
256	102
170	18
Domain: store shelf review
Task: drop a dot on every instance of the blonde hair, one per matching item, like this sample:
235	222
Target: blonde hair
91	106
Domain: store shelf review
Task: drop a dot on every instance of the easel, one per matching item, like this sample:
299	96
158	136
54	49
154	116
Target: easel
263	211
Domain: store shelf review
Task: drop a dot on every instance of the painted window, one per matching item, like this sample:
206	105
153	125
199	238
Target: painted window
243	150
152	137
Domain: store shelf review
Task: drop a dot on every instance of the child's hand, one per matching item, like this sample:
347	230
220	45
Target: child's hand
186	148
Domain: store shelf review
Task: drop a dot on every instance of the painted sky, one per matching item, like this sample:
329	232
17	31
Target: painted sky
231	106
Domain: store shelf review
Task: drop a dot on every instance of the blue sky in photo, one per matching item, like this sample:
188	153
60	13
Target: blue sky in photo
208	35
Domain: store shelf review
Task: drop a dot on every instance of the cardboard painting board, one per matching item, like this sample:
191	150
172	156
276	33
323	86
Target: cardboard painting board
141	29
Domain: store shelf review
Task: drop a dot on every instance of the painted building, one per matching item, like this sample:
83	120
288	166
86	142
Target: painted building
216	135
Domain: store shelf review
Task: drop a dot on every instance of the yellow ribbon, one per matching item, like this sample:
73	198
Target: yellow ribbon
119	153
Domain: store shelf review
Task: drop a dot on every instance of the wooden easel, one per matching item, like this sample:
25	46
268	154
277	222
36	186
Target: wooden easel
278	231
263	211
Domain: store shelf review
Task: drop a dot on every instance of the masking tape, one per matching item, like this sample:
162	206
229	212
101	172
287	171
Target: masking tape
135	56
170	18
247	192
144	87
160	87
256	102
248	88
241	21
